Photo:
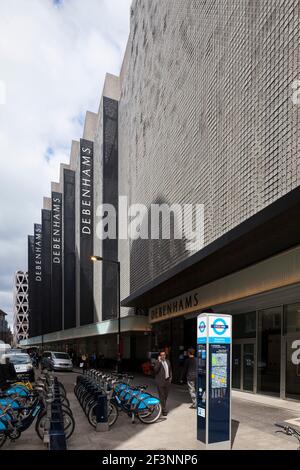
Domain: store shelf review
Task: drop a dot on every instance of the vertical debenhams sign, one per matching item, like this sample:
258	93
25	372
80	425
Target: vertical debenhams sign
38	253
56	263
86	187
38	278
56	227
86	231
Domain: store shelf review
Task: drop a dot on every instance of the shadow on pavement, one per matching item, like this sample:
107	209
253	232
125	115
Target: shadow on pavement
234	429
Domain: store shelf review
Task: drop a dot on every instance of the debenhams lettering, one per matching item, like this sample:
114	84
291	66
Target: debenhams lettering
56	230
179	305
38	254
86	190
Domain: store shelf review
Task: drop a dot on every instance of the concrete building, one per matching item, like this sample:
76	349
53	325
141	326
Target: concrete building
20	307
80	307
204	112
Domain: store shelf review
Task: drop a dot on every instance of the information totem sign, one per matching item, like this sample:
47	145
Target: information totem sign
214	337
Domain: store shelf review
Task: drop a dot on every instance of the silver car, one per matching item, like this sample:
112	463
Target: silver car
57	361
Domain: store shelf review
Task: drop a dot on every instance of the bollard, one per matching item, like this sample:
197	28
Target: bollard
57	437
101	414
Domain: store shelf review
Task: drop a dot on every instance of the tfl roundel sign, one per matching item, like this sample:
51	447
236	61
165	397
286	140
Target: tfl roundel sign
219	326
202	326
219	329
201	330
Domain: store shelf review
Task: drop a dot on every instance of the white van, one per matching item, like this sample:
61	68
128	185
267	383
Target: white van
4	349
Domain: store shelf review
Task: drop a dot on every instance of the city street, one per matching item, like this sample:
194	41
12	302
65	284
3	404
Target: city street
253	419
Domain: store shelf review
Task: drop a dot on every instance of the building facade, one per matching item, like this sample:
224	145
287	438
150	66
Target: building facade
73	302
20	306
211	111
202	113
5	333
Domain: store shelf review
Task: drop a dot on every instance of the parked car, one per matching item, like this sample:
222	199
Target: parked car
58	361
22	364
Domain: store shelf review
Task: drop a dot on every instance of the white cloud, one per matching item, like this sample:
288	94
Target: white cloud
53	60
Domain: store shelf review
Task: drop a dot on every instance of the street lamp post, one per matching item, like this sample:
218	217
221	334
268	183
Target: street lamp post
104	260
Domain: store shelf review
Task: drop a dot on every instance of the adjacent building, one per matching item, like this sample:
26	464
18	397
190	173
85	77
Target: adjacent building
202	113
5	333
73	302
20	307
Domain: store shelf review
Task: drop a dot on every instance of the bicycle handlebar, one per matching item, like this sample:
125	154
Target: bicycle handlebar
288	430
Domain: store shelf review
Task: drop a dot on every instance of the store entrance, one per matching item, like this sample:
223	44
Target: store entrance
269	350
243	365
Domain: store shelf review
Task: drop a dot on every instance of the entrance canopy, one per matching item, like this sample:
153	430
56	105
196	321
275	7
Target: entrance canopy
269	232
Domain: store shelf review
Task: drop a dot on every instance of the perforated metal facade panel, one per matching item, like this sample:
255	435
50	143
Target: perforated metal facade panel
206	115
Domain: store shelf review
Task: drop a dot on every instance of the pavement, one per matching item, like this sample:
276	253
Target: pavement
253	419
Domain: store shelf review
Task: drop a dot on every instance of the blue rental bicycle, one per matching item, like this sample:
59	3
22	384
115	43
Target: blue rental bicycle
19	407
121	396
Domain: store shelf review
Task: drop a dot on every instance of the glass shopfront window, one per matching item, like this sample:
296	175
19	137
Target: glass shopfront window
244	325
292	332
243	351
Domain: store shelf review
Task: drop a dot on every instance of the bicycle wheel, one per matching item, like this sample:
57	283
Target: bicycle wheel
69	424
66	408
150	415
3	438
87	398
63	400
88	405
112	417
62	389
40	425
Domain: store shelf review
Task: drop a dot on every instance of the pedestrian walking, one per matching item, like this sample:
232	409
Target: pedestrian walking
93	360
189	374
163	379
84	362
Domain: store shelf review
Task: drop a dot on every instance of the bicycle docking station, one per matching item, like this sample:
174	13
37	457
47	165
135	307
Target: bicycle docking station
214	338
93	400
46	403
101	413
103	395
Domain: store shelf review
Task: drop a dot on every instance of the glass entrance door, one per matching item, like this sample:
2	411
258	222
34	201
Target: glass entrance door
236	366
243	365
248	366
269	350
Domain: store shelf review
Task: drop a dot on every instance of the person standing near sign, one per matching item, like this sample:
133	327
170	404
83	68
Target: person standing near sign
163	379
189	374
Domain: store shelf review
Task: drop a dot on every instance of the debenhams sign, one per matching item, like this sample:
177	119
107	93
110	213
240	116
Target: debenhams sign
176	307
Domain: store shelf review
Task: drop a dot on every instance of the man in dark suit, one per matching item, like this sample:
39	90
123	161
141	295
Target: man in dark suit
163	379
189	374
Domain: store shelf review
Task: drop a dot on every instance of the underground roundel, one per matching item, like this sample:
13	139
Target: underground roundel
202	327
219	326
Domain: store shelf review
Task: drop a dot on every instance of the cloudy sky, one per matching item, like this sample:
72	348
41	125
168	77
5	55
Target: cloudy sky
53	58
